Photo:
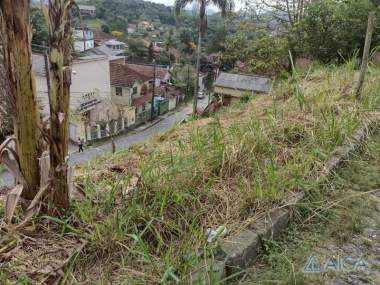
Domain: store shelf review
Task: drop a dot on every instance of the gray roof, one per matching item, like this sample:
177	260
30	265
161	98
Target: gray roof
103	50
243	82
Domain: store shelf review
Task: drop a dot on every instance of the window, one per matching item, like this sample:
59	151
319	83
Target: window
119	91
143	107
134	91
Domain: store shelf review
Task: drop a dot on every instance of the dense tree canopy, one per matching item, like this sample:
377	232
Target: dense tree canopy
120	12
332	30
329	31
39	28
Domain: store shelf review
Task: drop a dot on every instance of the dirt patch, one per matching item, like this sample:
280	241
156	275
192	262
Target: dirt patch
40	255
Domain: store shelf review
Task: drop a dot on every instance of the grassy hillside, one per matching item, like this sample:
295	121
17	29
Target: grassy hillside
343	223
222	170
146	210
95	24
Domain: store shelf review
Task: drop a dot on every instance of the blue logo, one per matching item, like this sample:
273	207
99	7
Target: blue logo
312	265
341	264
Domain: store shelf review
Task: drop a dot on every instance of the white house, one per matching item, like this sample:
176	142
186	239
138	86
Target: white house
90	75
87	10
83	40
90	87
115	45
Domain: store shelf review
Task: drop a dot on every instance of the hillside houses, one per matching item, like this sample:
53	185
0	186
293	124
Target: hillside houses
132	85
109	96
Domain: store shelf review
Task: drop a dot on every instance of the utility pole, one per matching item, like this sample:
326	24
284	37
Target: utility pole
196	87
153	91
188	80
367	46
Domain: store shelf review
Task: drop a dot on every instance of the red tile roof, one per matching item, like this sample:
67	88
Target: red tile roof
125	74
101	37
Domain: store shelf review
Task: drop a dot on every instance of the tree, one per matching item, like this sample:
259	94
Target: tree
137	48
288	11
169	43
186	38
39	28
224	6
150	52
6	103
117	23
105	28
217	39
58	17
18	70
33	137
332	30
262	54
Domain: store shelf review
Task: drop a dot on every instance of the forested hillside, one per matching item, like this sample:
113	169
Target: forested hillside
119	12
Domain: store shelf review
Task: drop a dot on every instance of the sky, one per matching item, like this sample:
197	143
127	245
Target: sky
238	4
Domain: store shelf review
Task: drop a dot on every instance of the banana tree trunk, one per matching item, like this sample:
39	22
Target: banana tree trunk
59	100
22	88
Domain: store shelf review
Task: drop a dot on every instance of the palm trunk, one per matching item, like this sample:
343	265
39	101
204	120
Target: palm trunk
196	86
22	87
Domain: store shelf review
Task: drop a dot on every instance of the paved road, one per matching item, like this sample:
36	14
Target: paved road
123	141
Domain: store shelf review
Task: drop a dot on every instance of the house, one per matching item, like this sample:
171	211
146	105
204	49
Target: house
131	85
167	97
233	86
87	10
131	28
111	48
83	40
145	26
175	96
93	115
115	45
100	38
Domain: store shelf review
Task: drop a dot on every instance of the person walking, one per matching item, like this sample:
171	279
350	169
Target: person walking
80	145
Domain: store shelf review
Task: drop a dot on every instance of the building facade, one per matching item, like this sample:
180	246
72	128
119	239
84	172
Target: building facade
132	85
83	40
90	96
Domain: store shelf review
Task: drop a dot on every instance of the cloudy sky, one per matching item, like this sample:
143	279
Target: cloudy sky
238	4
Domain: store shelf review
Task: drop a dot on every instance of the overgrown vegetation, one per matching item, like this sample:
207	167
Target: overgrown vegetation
335	218
220	170
146	213
329	31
